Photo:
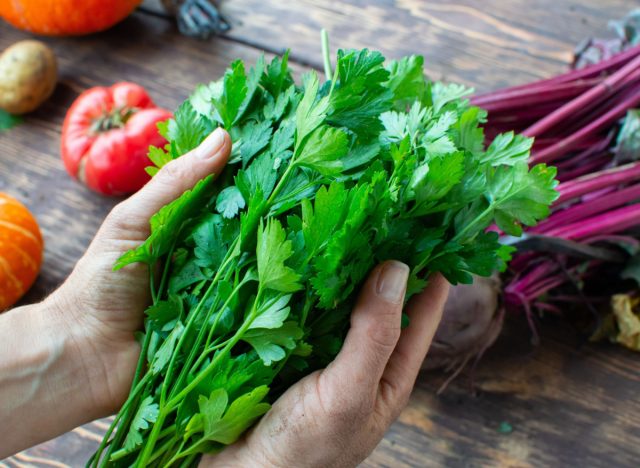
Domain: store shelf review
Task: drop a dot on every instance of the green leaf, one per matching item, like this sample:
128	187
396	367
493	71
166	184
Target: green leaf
324	149
521	196
270	344
324	218
238	417
310	114
406	79
229	202
508	148
202	98
166	224
359	96
164	314
278	76
442	94
441	175
468	134
147	414
187	274
210	247
282	139
162	357
272	251
159	157
235	90
261	174
254	137
187	130
8	121
272	312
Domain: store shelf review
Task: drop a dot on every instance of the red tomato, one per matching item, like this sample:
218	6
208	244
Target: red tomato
106	135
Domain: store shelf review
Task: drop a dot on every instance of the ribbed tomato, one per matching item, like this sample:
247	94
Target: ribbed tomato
65	17
21	248
106	137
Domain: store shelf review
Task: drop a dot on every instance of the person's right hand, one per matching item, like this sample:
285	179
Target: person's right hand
335	417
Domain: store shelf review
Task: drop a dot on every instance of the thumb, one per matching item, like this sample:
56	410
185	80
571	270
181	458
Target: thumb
375	329
130	219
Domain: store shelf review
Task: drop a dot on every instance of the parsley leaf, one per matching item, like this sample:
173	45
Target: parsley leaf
272	251
270	344
147	413
229	202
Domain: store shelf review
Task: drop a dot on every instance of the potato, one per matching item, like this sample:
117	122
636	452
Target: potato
28	75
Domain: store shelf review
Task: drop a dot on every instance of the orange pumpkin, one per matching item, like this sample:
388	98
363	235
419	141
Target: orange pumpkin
65	17
20	250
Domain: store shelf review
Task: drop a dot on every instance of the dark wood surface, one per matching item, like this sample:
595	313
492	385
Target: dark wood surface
567	404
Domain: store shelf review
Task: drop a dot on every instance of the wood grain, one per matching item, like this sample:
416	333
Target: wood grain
481	43
568	404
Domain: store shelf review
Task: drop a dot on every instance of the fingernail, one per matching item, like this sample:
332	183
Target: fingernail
392	281
211	145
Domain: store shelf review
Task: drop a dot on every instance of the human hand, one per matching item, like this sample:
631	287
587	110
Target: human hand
104	308
335	417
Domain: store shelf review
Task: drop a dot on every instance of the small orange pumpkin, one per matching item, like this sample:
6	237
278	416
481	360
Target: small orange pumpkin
65	17
21	248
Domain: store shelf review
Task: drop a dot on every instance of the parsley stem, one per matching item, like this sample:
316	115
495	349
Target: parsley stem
197	345
167	264
281	182
126	413
233	294
227	349
165	410
326	54
192	316
189	451
164	449
95	461
152	284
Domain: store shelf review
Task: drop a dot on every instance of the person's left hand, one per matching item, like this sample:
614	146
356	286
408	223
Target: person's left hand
104	308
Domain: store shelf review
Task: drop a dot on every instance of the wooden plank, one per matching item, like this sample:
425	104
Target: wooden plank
482	43
567	405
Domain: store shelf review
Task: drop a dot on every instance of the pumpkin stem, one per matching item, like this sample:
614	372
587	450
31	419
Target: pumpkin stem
201	19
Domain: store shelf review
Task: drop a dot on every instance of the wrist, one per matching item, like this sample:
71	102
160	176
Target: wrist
43	379
105	366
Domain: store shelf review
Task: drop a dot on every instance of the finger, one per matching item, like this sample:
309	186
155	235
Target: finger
375	329
425	312
172	181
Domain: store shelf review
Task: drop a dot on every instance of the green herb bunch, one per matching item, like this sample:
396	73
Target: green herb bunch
253	276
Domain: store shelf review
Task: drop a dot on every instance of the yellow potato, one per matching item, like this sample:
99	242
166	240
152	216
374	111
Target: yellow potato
28	75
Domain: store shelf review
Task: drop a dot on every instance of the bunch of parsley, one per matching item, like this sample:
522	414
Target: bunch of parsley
253	277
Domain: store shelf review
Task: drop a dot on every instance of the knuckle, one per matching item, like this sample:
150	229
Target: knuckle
351	410
118	212
118	219
395	396
384	334
174	169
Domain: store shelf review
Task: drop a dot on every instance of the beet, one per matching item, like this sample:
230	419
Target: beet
471	322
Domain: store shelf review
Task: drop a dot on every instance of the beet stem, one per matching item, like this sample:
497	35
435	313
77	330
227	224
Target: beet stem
598	180
590	208
607	223
585	100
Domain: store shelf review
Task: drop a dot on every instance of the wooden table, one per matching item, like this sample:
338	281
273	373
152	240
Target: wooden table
561	404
